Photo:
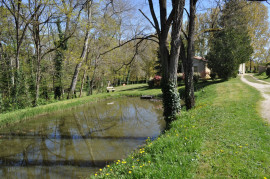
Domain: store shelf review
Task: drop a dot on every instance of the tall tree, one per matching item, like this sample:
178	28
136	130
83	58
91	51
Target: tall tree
169	57
88	6
188	62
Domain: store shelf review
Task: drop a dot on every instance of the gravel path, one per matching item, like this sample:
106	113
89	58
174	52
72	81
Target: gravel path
265	91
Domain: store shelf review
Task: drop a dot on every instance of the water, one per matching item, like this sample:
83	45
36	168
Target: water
77	142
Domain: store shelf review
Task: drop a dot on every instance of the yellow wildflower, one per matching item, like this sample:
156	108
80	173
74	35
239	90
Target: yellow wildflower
108	165
100	169
221	150
149	162
240	146
95	174
129	172
124	162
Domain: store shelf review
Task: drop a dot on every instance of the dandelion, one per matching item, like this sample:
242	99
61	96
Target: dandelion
264	178
141	166
221	150
108	166
100	169
124	162
149	161
132	166
95	174
107	174
240	146
117	163
110	169
118	160
129	172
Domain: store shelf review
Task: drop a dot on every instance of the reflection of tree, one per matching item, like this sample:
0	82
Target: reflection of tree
61	139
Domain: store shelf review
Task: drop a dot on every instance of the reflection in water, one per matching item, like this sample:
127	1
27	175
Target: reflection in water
74	143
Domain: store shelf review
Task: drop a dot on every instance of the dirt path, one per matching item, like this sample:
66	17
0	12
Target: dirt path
265	91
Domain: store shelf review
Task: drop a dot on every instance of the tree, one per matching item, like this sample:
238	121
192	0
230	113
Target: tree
169	55
228	50
188	60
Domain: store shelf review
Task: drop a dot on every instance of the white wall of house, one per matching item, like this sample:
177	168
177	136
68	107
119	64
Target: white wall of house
242	68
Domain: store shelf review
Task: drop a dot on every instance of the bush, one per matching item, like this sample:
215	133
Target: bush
196	77
157	81
268	71
151	83
213	76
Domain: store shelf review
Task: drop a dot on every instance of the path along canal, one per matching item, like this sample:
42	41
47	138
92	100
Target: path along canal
77	142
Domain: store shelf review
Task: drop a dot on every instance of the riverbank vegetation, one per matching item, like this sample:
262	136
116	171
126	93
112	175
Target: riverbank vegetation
223	136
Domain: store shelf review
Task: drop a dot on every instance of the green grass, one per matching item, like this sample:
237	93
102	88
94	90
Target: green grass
223	137
253	80
24	114
263	76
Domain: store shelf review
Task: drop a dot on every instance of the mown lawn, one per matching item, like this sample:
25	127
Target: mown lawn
262	76
223	137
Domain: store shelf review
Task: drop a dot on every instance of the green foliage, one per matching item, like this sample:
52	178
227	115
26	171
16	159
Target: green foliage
228	50
213	75
196	77
268	71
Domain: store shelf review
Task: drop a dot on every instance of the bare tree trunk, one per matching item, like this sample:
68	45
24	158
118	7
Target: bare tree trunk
84	74
83	54
188	63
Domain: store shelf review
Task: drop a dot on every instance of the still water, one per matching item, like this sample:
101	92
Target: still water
75	143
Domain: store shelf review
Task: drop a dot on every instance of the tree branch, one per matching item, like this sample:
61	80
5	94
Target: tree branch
154	16
148	19
187	12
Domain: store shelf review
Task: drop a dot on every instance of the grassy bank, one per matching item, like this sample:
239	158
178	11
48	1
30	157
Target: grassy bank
223	137
263	77
21	115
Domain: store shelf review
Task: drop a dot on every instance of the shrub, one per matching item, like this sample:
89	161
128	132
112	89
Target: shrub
157	80
196	77
151	83
213	76
268	71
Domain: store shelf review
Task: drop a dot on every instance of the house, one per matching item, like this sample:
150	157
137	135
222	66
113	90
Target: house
242	68
200	66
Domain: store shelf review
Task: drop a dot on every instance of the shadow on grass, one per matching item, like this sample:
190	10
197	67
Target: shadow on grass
142	88
198	86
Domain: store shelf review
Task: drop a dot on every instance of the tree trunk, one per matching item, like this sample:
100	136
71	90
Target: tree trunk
84	74
171	99
83	54
188	64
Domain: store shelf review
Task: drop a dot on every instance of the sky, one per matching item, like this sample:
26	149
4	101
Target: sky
202	6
